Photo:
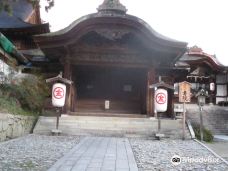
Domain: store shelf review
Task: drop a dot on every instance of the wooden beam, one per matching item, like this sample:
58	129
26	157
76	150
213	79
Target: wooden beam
150	92
111	64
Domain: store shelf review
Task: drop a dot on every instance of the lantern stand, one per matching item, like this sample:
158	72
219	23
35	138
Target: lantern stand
58	79
160	85
201	96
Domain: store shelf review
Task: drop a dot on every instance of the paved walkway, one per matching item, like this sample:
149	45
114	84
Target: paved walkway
220	148
98	154
221	138
220	145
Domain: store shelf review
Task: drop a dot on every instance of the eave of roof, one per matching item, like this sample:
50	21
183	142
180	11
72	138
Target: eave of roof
26	31
96	16
21	10
200	57
7	21
208	56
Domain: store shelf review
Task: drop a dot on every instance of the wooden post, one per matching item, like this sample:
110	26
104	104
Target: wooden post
170	104
73	91
67	75
57	118
159	122
184	97
183	121
201	124
150	92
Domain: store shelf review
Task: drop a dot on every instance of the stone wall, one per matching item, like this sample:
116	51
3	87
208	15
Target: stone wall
12	126
215	118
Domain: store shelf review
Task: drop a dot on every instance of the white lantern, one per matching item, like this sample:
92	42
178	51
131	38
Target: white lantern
212	86
160	100
58	94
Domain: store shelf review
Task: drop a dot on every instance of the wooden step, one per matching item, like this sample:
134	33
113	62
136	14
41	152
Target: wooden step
108	114
116	106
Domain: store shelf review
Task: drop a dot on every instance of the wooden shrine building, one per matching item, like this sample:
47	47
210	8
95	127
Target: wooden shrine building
110	55
113	57
205	69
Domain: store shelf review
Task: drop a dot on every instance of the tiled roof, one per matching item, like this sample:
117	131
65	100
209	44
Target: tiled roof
21	9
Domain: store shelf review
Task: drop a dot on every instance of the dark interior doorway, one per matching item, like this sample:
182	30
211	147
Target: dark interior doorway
125	88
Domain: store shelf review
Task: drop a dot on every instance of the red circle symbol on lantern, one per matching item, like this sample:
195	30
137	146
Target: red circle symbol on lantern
58	93
161	98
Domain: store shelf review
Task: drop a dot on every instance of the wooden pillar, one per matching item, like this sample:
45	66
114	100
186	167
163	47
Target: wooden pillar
150	92
73	97
170	112
68	74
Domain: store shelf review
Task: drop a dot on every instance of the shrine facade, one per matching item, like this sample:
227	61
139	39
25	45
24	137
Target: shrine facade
111	56
114	58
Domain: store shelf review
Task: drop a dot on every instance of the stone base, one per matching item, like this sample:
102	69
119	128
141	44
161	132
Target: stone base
159	136
56	132
12	126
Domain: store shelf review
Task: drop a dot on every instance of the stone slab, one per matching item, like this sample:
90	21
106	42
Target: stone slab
97	154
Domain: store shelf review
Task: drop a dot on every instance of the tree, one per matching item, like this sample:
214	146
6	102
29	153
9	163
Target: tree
5	5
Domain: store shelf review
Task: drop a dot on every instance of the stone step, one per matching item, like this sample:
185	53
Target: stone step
215	118
84	125
108	113
109	125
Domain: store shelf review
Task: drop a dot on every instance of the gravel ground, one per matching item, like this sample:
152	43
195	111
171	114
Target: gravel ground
38	153
153	155
34	152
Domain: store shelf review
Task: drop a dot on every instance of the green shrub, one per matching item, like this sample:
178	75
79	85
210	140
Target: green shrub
29	93
10	105
207	135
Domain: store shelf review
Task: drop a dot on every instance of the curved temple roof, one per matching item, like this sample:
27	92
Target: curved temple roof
113	14
112	8
97	16
196	55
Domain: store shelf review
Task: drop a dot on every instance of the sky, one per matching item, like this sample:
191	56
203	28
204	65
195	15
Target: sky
198	22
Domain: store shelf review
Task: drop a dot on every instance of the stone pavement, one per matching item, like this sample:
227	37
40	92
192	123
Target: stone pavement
219	147
220	138
98	154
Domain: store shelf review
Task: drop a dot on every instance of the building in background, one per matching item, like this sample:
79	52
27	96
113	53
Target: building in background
205	71
17	31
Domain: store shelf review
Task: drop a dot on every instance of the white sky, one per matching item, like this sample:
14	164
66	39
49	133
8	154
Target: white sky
199	22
